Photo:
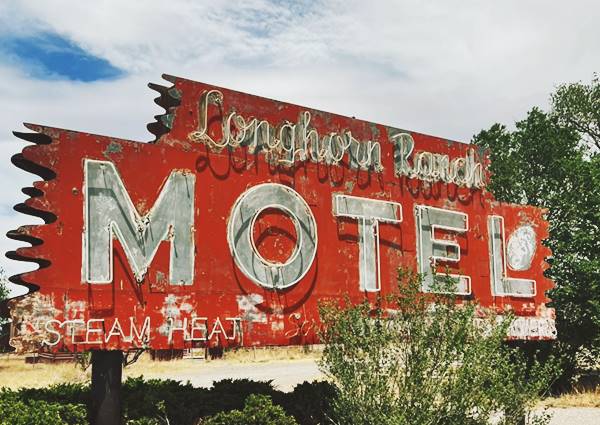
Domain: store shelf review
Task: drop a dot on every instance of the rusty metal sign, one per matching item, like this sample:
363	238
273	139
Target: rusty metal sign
244	213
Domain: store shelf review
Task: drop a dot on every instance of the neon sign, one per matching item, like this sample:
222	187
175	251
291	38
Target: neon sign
244	214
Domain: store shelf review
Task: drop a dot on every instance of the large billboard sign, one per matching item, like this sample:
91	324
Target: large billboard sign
243	214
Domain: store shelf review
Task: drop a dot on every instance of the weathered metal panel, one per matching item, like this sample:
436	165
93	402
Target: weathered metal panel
243	214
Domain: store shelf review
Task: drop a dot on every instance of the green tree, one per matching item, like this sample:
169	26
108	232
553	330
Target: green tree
3	285
552	160
4	329
577	106
420	360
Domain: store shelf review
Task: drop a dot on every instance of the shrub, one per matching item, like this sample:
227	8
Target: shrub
310	403
154	402
424	359
183	402
17	411
229	394
58	393
258	410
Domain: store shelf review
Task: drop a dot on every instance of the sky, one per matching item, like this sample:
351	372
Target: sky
448	68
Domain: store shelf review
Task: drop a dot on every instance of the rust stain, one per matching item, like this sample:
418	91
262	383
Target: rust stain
29	314
219	289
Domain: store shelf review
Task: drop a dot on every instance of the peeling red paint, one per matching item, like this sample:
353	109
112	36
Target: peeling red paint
221	297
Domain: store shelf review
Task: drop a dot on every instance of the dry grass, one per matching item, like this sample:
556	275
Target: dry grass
15	373
265	354
578	398
163	369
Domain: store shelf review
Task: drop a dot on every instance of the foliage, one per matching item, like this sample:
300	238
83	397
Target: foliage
15	410
417	359
184	403
310	402
552	160
84	360
69	393
163	419
577	106
3	285
147	421
4	292
162	402
258	410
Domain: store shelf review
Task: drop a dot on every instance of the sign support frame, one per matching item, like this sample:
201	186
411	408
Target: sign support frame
106	399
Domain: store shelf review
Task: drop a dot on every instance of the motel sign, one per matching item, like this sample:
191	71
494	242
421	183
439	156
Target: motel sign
243	214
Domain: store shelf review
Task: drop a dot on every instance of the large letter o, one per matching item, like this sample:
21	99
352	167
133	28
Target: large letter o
239	235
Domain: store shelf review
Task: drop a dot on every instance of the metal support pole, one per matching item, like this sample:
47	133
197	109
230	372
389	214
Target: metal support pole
107	368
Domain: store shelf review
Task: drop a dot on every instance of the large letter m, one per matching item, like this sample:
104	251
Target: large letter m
109	213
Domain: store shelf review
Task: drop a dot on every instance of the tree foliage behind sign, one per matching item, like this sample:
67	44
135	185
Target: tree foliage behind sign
4	293
552	160
3	285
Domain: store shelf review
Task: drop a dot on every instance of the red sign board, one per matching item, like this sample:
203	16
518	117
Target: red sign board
244	214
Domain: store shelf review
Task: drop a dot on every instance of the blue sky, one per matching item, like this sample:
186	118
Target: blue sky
48	55
448	68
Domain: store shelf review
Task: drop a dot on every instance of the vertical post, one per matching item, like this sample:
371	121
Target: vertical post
107	368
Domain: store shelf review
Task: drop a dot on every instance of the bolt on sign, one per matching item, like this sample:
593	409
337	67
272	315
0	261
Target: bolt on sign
243	214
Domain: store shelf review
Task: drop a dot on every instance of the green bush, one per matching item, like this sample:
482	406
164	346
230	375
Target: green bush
58	393
258	410
426	359
141	399
310	403
184	403
230	394
17	411
154	401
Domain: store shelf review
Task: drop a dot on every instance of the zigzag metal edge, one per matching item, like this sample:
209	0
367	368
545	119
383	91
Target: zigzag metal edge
28	233
32	160
169	99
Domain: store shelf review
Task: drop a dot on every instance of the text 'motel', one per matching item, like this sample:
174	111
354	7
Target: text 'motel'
244	214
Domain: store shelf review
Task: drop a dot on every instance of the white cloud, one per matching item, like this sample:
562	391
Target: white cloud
447	68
